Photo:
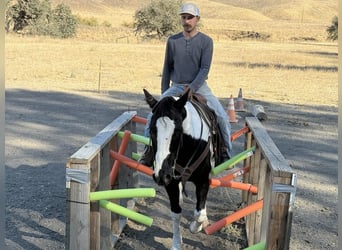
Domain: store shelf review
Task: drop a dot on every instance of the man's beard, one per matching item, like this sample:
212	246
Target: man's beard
188	28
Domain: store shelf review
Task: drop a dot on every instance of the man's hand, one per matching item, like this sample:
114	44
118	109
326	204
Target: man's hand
187	88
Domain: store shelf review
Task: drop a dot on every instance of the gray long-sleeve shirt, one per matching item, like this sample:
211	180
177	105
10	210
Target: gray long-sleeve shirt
187	61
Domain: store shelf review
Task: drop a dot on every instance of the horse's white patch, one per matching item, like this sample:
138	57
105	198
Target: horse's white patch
201	220
193	122
165	128
180	186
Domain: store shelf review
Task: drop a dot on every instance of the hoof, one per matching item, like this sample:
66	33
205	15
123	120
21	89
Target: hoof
195	227
176	246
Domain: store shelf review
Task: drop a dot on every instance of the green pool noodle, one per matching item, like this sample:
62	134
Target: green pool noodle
122	193
135	156
258	246
231	162
145	220
136	138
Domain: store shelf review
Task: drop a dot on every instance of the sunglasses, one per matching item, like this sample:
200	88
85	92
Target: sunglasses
187	17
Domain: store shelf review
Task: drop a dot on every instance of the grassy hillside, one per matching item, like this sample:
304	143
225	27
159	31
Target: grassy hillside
291	10
279	20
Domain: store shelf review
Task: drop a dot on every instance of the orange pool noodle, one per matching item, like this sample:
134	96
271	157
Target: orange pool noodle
131	163
234	217
238	133
233	184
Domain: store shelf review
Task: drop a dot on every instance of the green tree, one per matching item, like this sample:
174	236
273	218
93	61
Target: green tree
23	13
333	29
159	18
36	17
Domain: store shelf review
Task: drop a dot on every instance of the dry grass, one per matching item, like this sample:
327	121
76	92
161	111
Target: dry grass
277	70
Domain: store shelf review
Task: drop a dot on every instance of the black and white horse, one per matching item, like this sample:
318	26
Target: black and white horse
181	144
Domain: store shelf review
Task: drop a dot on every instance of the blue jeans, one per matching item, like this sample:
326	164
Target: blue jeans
213	103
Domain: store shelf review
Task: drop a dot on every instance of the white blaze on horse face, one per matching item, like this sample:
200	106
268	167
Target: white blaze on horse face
165	128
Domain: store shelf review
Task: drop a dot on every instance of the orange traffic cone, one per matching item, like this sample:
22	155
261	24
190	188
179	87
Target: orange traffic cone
231	110
239	102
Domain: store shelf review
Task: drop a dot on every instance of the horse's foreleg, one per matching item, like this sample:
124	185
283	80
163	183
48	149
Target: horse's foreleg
177	237
174	192
200	213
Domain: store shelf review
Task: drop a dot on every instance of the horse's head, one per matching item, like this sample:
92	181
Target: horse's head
166	134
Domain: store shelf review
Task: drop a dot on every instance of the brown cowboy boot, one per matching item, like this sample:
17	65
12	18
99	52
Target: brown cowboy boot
147	157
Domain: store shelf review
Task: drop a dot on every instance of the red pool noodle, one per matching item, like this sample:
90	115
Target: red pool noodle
139	119
115	169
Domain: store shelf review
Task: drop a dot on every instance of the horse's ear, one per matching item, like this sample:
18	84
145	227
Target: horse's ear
180	103
151	101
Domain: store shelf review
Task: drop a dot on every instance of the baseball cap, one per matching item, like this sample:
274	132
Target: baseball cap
189	8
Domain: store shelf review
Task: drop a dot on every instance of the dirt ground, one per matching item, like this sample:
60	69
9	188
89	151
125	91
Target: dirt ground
44	128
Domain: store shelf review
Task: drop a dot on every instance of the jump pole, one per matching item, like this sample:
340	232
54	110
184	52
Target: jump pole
131	163
233	184
238	133
259	246
231	162
234	217
232	175
115	169
122	193
139	119
135	156
136	138
126	212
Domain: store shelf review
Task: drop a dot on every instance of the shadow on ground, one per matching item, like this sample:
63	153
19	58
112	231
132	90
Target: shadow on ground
44	128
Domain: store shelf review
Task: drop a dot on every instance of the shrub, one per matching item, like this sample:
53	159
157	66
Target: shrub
159	18
333	29
63	22
89	21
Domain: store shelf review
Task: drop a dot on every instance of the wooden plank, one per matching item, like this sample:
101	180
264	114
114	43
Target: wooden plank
249	218
78	223
279	166
247	162
263	174
277	228
94	206
278	221
266	210
104	184
93	147
254	180
115	218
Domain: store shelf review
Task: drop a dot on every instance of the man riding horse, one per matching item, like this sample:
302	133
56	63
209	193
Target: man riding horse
187	62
